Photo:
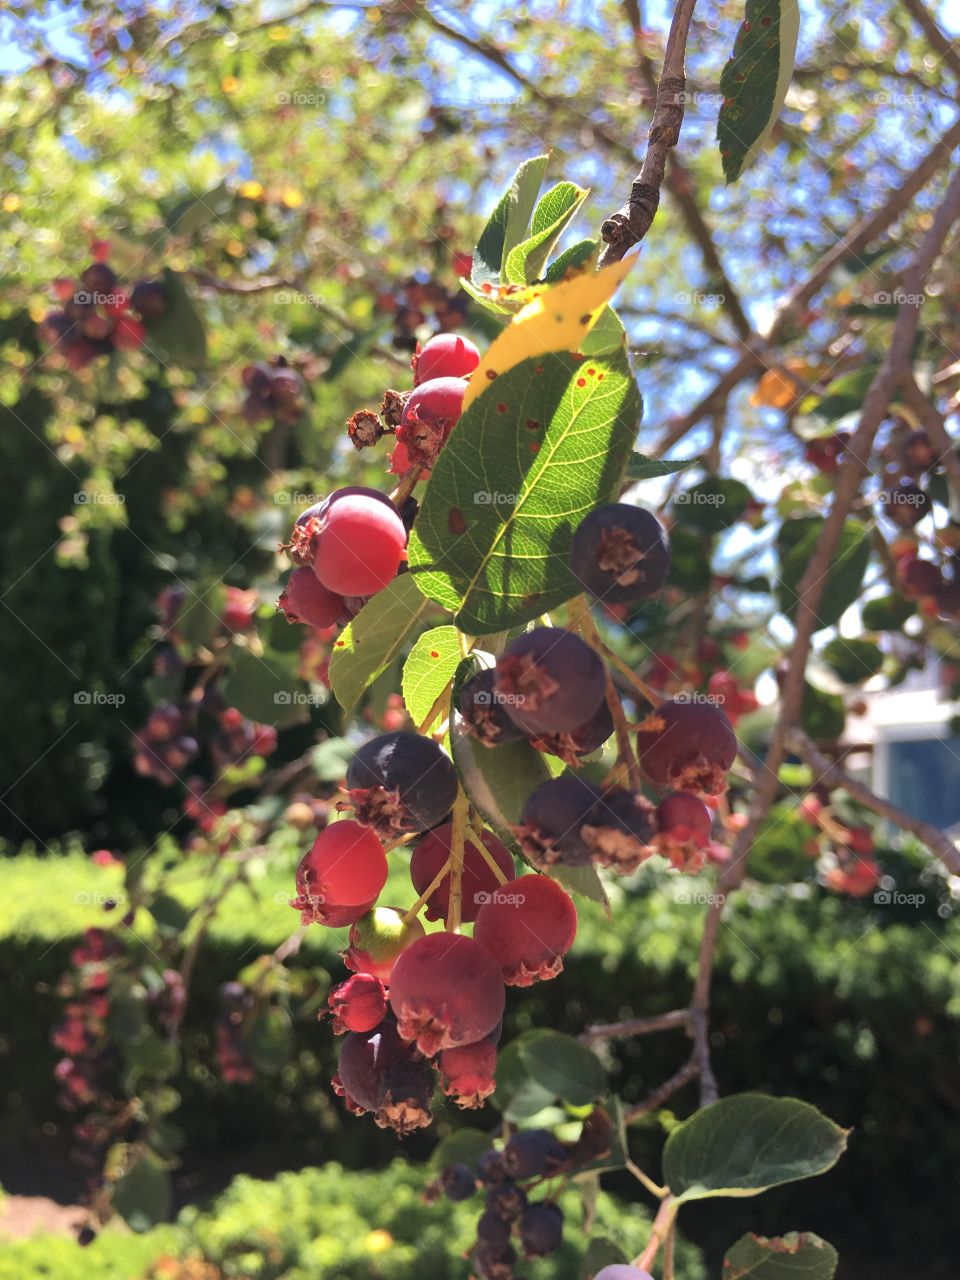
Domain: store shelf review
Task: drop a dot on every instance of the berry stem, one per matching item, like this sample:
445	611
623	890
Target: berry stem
457	836
662	1227
436	708
489	859
660	1192
407	485
435	883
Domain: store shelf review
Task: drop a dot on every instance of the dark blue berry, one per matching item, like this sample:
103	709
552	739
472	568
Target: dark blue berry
490	1166
507	1199
541	1230
531	1153
620	554
484	714
493	1231
549	681
401	782
552	821
458	1182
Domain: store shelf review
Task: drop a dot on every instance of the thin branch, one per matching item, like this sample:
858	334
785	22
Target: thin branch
631	223
635	1026
938	41
830	772
662	1094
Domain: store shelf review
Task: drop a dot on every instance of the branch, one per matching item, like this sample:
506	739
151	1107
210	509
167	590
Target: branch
941	43
829	771
635	1026
631	223
659	1096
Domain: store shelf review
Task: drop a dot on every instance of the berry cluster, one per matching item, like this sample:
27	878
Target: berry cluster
415	301
233	1061
274	390
100	315
508	1176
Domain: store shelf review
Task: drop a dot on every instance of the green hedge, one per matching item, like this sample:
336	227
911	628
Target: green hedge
328	1224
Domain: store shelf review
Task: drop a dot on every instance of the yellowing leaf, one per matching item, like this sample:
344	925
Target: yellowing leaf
291	197
229	84
556	319
251	190
775	390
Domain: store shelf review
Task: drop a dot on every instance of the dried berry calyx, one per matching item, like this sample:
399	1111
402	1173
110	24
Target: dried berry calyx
364	429
468	1072
484	714
619	829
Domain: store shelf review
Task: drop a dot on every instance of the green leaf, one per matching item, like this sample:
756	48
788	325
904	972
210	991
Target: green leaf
497	779
853	659
463	1146
689	560
374	638
755	81
553	213
886	613
796	542
269	1039
508	223
518	1094
191	215
608	334
601	1253
177	337
143	1196
798	1256
642	468
201	615
584	881
535	452
153	1055
573	1072
329	759
429	667
845	394
576	257
267	689
712	505
745	1144
822	714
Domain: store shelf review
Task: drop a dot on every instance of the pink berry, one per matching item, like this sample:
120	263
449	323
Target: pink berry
305	599
528	926
478	879
468	1072
359	1004
445	991
360	544
684	824
346	867
448	355
377	939
688	746
431	412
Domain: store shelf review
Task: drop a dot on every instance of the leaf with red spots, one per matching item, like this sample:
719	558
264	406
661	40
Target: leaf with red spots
429	667
521	504
755	81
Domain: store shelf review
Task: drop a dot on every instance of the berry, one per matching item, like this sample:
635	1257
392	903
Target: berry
447	355
493	1232
917	577
478	882
378	1072
458	1182
582	741
620	554
149	298
377	939
468	1072
306	599
619	829
948	601
359	1004
346	867
620	1271
917	452
506	1199
905	504
688	746
541	1229
431	412
483	714
490	1167
552	820
528	926
401	782
99	278
494	1264
531	1153
684	824
240	610
549	681
446	990
360	543
128	334
309	523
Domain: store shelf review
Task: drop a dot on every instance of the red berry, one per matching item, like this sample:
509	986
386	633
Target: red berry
917	577
688	746
684	824
478	880
240	610
360	544
378	1072
346	867
305	599
528	925
448	355
429	415
377	939
468	1072
359	1004
446	990
549	681
128	334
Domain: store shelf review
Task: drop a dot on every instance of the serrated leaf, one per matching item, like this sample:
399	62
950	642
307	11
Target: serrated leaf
755	80
575	258
642	468
374	638
178	336
267	689
557	318
796	542
745	1144
545	445
508	223
553	213
800	1255
429	667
